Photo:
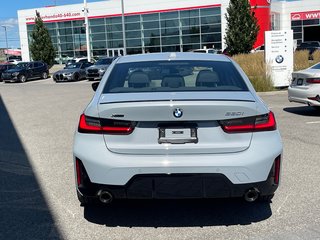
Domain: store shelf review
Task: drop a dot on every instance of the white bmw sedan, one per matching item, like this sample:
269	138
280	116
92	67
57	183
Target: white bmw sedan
176	125
305	86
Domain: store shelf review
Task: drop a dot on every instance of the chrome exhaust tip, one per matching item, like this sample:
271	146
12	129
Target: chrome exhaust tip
105	197
251	195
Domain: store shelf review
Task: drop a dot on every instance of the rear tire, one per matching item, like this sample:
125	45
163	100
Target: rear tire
76	77
22	78
44	75
317	108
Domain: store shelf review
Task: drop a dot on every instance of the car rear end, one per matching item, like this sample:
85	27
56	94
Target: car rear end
176	126
305	86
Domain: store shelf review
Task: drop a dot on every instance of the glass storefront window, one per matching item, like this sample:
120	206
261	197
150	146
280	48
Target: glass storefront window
211	37
169	23
132	18
190	30
150	17
114	35
134	42
191	39
152	41
65	39
189	47
98	37
210	11
64	24
79	30
78	23
114	28
175	48
169	31
113	20
189	21
115	44
134	50
97	29
210	19
169	15
170	40
65	31
151	33
133	34
97	21
211	28
99	45
150	25
132	26
189	13
66	46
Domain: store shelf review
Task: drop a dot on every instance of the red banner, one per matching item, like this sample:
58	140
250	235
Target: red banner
305	15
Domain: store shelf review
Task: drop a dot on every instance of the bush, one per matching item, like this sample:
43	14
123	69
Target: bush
254	66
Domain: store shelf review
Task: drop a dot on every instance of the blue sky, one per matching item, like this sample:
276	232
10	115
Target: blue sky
8	16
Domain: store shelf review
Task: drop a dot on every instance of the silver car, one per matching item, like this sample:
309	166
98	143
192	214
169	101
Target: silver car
72	72
176	125
305	86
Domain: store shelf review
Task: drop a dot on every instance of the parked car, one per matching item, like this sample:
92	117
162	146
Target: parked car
5	67
72	72
77	60
97	70
311	46
258	49
206	50
305	86
25	71
203	135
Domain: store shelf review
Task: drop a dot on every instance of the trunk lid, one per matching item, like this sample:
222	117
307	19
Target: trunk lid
158	131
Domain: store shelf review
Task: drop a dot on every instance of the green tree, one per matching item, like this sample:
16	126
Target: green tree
242	28
41	46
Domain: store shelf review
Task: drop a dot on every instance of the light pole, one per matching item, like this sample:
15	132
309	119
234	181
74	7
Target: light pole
86	22
123	30
5	32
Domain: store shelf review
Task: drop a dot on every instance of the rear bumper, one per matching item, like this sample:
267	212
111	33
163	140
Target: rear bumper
302	95
178	186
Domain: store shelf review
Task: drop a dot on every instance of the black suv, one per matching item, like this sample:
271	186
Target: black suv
5	67
25	71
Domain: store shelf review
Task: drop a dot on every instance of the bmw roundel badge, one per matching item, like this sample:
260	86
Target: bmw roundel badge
177	113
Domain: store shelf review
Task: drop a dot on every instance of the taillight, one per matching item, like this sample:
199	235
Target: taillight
104	126
313	80
259	123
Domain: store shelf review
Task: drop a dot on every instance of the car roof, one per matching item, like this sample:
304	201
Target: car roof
173	56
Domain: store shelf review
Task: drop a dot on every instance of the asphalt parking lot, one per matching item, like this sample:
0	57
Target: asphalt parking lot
38	198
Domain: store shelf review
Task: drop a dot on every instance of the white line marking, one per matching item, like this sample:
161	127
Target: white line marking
313	122
281	205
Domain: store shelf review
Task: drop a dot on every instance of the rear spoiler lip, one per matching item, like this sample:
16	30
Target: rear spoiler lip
180	100
243	96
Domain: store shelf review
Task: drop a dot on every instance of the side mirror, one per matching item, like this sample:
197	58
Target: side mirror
95	85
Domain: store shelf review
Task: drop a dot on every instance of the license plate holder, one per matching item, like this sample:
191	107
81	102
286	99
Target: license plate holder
299	82
175	135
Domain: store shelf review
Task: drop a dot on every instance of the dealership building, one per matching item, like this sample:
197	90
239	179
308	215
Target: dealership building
160	25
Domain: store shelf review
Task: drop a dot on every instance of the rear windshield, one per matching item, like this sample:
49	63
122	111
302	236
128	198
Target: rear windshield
173	76
317	66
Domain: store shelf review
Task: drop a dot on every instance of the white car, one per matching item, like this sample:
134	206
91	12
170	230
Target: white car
305	86
176	125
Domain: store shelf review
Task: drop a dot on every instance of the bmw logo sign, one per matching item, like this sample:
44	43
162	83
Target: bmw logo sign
279	59
178	113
